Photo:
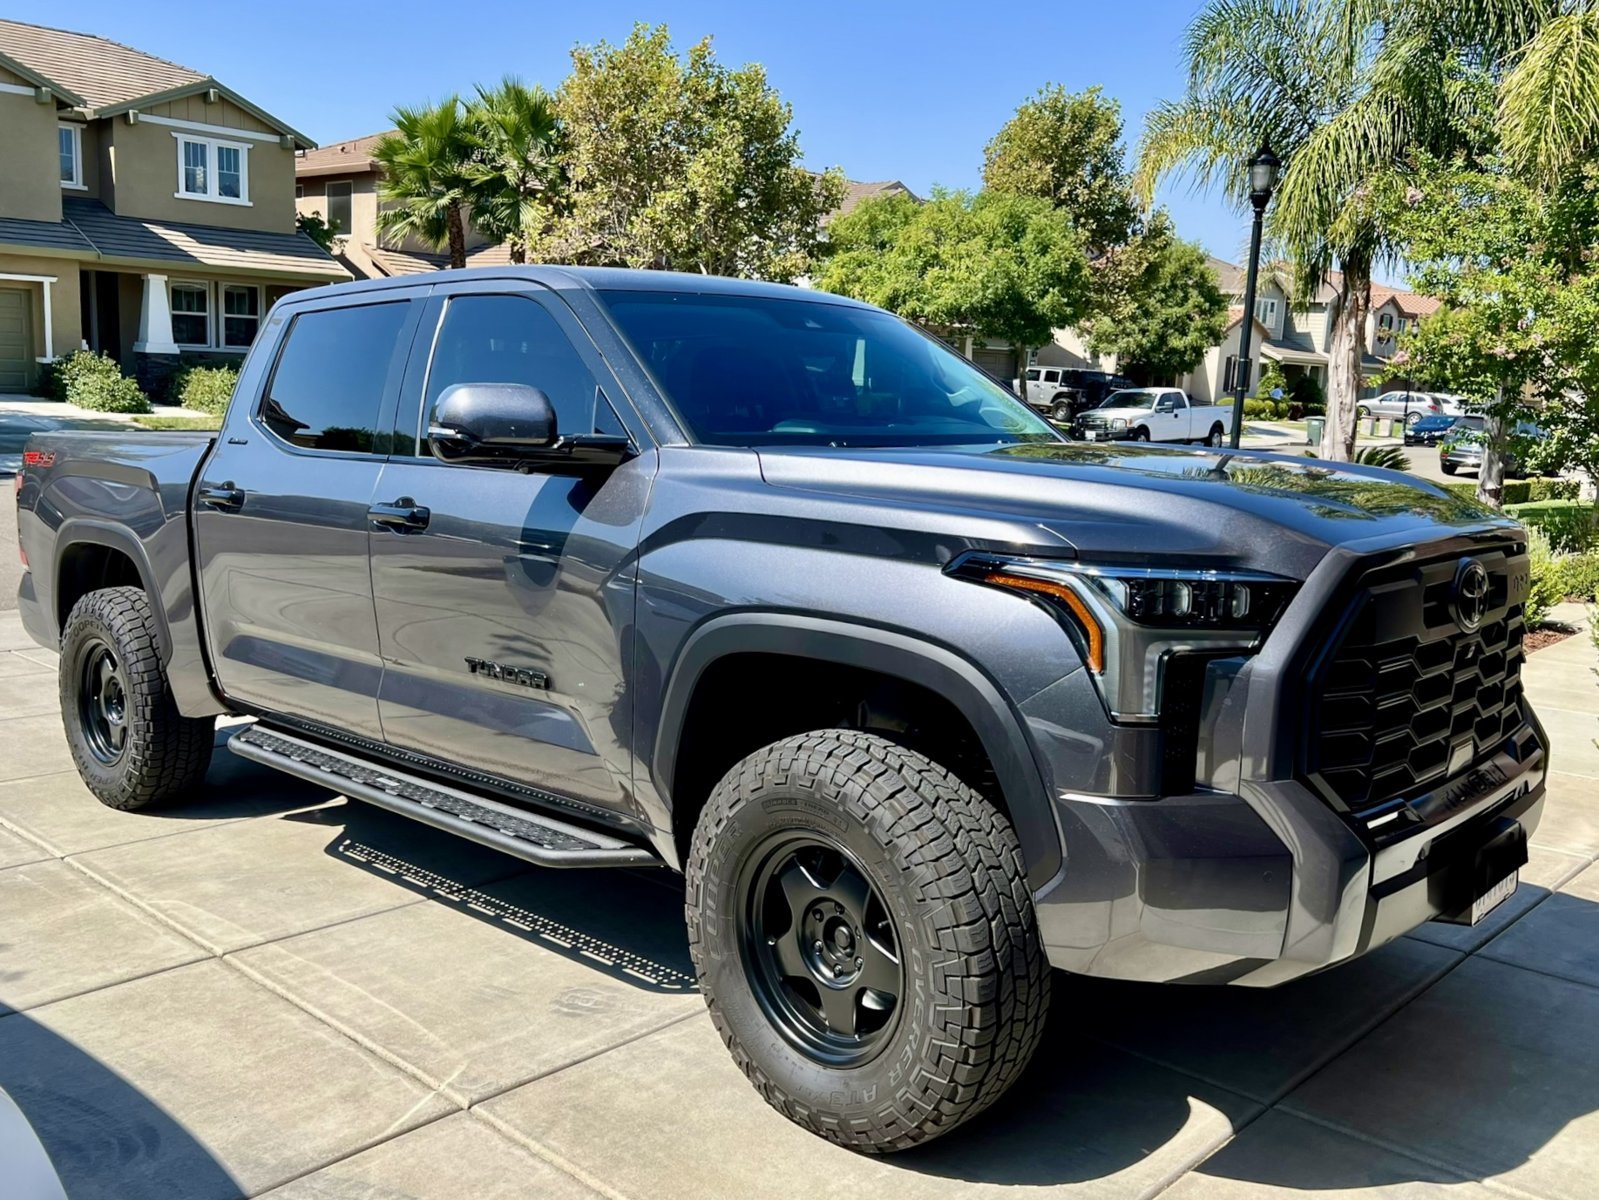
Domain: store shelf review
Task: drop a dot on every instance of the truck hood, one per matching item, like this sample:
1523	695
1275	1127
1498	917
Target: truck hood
1116	501
1125	414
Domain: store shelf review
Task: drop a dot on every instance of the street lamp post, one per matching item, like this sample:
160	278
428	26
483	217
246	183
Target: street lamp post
1262	179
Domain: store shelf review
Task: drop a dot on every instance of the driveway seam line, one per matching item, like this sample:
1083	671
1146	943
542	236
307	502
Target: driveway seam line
541	1151
335	1161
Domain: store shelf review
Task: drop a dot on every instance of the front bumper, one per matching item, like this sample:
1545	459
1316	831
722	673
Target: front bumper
1256	877
1081	432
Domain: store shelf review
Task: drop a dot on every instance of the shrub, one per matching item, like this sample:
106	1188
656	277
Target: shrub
76	369
110	393
1547	586
207	389
1553	489
1579	575
1307	393
1468	490
1572	526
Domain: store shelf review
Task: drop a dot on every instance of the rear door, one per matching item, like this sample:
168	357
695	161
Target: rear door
280	514
505	614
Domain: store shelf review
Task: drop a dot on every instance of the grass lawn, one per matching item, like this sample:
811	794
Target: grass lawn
161	422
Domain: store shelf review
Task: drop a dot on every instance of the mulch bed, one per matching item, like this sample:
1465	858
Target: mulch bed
1539	638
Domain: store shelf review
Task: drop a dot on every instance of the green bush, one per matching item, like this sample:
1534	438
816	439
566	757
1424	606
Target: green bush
207	389
74	371
1548	588
1468	490
1579	575
1572	526
1552	489
106	393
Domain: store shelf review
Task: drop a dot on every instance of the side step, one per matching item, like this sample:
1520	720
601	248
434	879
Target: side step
531	836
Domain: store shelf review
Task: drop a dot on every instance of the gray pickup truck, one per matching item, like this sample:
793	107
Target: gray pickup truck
607	568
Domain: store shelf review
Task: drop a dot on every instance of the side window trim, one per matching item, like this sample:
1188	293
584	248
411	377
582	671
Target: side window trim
391	384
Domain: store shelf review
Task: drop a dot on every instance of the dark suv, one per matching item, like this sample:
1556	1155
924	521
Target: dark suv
606	568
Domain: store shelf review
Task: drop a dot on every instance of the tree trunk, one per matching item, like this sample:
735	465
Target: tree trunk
457	236
1491	475
518	251
1345	348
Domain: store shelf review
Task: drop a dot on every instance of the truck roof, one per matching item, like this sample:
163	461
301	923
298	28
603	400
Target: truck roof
596	278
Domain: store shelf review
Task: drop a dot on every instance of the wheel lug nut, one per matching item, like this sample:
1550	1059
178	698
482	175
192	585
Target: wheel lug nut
859	962
818	947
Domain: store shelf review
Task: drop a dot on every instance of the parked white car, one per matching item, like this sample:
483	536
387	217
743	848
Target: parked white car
1154	415
1410	407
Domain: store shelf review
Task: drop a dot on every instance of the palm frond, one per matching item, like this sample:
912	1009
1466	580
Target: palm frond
1549	101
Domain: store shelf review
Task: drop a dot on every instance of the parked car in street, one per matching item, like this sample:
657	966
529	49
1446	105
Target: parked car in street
1154	415
1409	407
1462	450
610	568
1431	430
1061	393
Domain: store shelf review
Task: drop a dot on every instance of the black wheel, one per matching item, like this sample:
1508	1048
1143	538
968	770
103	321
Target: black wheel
1448	468
1140	434
131	745
864	936
1061	411
1362	412
1216	436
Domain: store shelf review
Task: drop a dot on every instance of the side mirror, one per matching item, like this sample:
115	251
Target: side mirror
491	422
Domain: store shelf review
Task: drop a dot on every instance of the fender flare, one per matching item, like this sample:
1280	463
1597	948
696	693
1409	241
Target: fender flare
80	531
939	670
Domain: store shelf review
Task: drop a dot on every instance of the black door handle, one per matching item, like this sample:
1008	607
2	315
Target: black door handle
224	496
404	514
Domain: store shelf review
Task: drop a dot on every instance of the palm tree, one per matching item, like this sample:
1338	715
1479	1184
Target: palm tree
516	171
425	189
1311	77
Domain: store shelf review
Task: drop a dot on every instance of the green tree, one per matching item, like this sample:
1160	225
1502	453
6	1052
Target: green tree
1518	268
1066	147
317	229
990	265
680	163
515	174
1157	306
426	189
1342	90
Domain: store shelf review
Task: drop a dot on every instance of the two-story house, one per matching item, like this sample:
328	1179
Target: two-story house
146	210
1393	314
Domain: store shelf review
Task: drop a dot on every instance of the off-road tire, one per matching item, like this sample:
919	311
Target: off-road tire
1061	411
165	754
949	870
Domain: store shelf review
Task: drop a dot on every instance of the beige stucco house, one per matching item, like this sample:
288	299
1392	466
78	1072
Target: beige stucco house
146	210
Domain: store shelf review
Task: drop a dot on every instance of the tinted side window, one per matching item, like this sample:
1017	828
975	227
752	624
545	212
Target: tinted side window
328	385
511	339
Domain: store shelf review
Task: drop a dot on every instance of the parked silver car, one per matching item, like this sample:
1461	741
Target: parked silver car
1409	406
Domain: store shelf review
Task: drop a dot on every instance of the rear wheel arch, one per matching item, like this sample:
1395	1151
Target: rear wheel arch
820	644
91	556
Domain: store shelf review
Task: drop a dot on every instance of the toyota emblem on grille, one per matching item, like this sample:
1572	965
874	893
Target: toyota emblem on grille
1471	594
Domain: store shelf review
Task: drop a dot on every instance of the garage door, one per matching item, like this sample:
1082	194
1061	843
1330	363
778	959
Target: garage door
16	340
996	362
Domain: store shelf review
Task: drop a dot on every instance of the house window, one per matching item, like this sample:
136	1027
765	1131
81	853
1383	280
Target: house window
1266	311
339	206
213	170
71	144
299	191
191	314
241	314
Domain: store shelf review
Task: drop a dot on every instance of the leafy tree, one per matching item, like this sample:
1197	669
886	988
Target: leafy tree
425	188
515	173
680	163
990	265
1065	147
1156	306
317	229
1518	268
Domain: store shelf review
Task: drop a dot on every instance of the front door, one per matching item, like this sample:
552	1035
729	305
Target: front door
281	518
16	339
505	608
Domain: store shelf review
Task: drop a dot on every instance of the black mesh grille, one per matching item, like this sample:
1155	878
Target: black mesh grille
1403	697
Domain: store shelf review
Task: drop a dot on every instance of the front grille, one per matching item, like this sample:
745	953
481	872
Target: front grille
1093	421
1403	697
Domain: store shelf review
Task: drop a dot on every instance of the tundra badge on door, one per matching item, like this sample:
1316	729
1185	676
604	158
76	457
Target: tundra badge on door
523	676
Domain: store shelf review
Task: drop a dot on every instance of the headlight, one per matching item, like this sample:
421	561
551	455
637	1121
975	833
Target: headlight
1118	423
1128	620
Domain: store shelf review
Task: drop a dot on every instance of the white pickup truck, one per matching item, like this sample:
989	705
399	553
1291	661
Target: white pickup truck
1155	414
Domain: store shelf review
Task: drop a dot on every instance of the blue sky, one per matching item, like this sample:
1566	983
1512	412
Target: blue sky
886	90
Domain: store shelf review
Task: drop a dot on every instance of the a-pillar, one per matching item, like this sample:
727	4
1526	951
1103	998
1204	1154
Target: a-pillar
155	354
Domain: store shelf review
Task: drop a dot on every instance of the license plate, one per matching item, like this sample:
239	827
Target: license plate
1091	436
1494	897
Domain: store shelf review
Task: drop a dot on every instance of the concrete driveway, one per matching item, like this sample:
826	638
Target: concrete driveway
278	992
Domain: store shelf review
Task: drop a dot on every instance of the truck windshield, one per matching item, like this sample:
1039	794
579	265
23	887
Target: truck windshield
1133	399
760	371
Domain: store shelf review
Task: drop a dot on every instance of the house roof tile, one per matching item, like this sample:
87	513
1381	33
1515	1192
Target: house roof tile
415	262
100	71
340	158
291	255
43	235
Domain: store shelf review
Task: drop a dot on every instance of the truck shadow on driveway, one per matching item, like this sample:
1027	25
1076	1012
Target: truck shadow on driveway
1472	1066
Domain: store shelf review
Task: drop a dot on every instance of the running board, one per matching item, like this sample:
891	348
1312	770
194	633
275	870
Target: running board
527	835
